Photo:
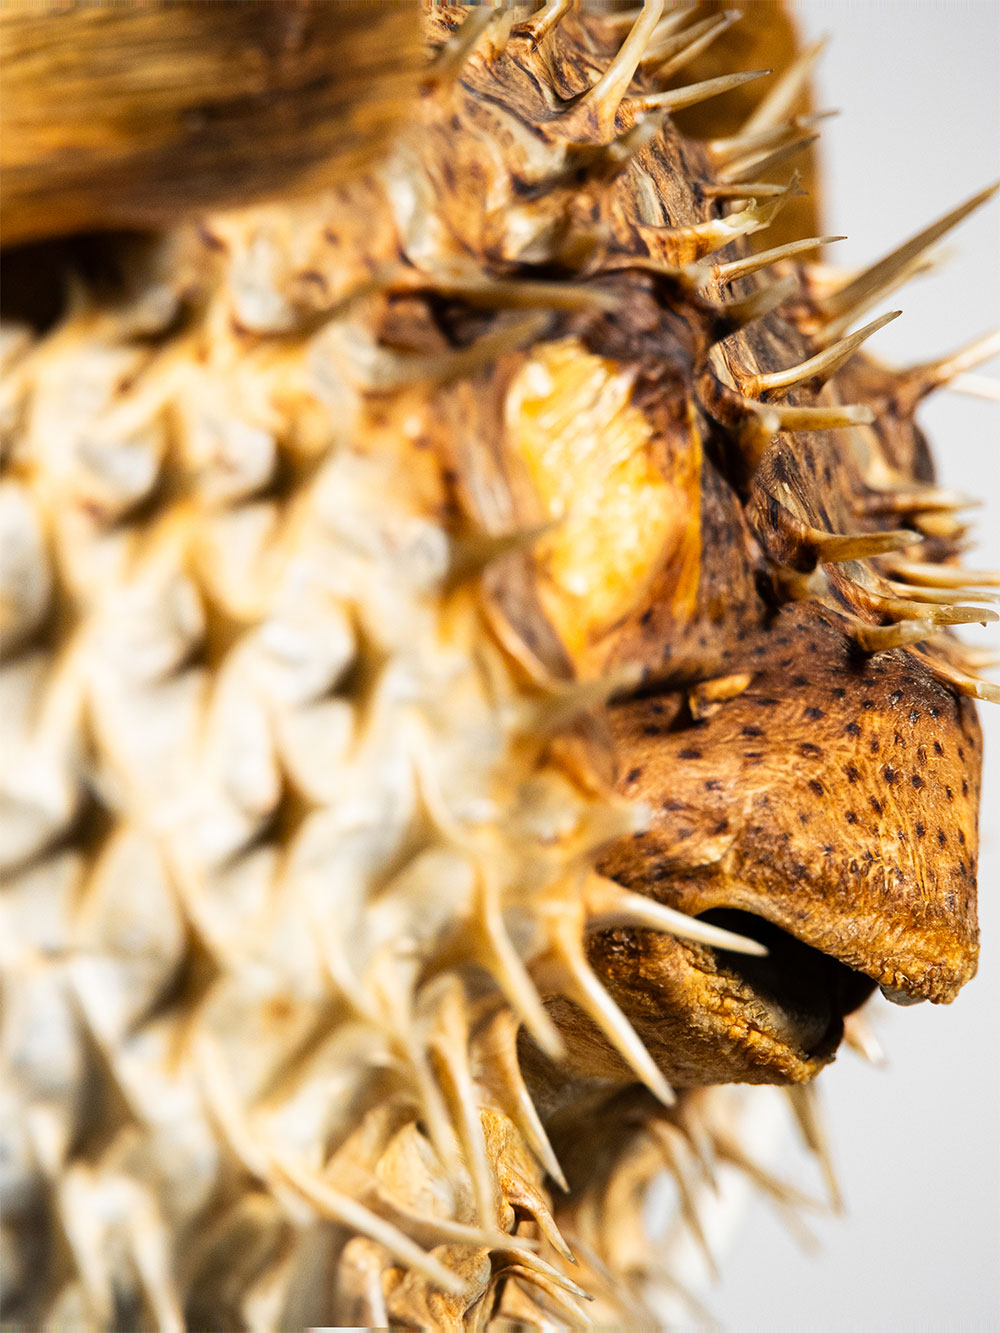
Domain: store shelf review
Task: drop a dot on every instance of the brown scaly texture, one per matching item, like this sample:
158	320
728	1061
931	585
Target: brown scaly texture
351	966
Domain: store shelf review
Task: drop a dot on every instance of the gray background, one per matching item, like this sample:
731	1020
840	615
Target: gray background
917	1144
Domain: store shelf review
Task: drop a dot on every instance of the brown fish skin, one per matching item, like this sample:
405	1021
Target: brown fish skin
835	798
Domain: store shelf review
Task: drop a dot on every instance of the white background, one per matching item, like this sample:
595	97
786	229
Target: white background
917	1144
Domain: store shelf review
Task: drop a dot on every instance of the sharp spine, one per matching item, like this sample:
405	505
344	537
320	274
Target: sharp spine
574	698
675	245
727	151
861	1038
508	970
499	1043
837	547
805	1105
668	24
920	380
512	293
341	1208
670	1140
469	556
678	98
880	638
452	57
970	686
744	167
967	658
608	904
944	576
449	1054
733	315
548	18
940	524
903	609
611	159
711	29
941	596
742	268
584	988
817	369
666	41
603	99
835	417
869	285
780	100
749	189
977	386
395	370
915	500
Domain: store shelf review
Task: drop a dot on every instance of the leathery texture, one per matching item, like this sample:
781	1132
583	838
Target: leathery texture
478	680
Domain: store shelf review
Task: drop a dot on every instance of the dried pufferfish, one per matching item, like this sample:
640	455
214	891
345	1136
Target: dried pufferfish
361	964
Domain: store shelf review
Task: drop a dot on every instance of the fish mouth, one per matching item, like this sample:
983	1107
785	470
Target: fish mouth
796	995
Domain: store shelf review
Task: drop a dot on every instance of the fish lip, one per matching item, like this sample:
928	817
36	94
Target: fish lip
901	996
798	997
919	968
